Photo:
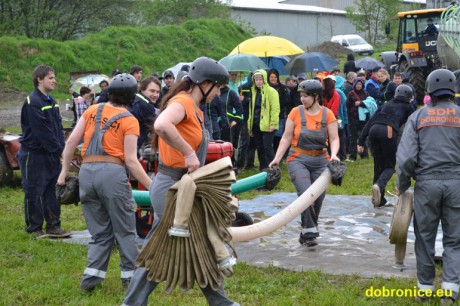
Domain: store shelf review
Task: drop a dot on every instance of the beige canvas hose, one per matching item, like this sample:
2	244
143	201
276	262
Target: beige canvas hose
285	216
202	205
399	227
202	256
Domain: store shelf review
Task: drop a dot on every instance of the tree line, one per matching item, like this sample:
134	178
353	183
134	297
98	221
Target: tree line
70	19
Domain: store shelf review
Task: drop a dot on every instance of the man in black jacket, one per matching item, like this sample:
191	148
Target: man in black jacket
42	143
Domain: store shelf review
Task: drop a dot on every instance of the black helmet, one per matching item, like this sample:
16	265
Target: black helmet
311	86
441	82
122	89
404	92
207	69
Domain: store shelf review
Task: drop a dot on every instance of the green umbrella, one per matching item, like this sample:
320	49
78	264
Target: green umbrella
243	62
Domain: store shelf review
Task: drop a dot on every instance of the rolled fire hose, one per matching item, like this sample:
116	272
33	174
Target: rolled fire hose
202	256
399	227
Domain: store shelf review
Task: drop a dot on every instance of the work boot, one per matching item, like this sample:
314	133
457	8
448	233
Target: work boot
57	232
308	241
376	195
39	234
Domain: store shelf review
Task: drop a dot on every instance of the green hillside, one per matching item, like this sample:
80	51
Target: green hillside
154	48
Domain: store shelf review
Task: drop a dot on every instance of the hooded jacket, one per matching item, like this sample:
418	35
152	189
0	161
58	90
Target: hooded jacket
353	96
270	108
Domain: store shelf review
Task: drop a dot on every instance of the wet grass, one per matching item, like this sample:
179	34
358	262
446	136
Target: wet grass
47	272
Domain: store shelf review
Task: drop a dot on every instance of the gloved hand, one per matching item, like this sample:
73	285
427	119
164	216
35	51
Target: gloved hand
273	177
338	170
69	193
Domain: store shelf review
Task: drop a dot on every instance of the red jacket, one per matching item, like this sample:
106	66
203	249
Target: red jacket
334	103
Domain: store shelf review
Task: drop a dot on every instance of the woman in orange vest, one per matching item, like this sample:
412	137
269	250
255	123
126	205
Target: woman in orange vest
308	129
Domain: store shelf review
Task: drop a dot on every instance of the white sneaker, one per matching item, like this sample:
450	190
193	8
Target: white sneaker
375	195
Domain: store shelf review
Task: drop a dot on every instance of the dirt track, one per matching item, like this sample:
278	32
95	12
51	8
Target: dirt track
10	113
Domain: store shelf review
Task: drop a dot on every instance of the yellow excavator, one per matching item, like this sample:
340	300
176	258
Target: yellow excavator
428	39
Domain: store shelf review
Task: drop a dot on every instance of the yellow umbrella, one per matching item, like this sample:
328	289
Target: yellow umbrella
265	46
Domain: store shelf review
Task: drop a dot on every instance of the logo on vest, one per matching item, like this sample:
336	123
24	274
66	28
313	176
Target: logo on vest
440	117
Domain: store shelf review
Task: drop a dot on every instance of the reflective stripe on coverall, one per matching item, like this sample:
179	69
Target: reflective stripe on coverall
109	210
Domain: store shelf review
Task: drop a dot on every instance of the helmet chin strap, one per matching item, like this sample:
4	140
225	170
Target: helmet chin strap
205	95
314	101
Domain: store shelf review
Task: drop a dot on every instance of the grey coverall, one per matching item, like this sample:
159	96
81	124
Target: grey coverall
429	152
305	169
109	210
140	287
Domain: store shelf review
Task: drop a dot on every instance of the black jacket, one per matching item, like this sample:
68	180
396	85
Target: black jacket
144	111
349	66
41	124
393	113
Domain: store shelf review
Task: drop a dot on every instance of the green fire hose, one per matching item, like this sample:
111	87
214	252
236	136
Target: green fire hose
142	197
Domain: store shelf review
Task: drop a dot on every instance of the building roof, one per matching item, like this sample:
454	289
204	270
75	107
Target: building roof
276	5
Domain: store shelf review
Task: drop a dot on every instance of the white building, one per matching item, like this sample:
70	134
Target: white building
305	25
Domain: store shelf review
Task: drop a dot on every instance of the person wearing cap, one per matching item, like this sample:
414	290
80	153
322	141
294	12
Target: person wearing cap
372	85
168	78
301	77
294	95
308	129
428	153
430	29
382	130
263	118
182	142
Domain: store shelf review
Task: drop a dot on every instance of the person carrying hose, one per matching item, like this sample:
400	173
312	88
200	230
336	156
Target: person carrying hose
428	152
110	135
308	128
182	142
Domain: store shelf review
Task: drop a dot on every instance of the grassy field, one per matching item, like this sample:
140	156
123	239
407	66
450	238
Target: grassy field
47	272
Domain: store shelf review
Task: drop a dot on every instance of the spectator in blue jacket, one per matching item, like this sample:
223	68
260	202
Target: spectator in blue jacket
42	143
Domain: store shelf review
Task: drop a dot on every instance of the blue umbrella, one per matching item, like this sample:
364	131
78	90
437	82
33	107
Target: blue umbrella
310	62
276	62
242	62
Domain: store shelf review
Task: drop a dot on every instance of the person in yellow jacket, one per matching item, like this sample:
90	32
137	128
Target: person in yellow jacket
263	118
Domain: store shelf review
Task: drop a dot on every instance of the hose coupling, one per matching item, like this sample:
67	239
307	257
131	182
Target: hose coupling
179	231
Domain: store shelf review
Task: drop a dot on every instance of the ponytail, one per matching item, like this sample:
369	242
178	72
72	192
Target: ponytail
183	85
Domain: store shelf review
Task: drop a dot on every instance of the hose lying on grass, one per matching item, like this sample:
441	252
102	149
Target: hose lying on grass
189	243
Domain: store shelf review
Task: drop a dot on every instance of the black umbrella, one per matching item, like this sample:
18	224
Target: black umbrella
310	62
368	63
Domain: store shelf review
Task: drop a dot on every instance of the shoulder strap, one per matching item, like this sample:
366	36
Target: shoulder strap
324	118
302	116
